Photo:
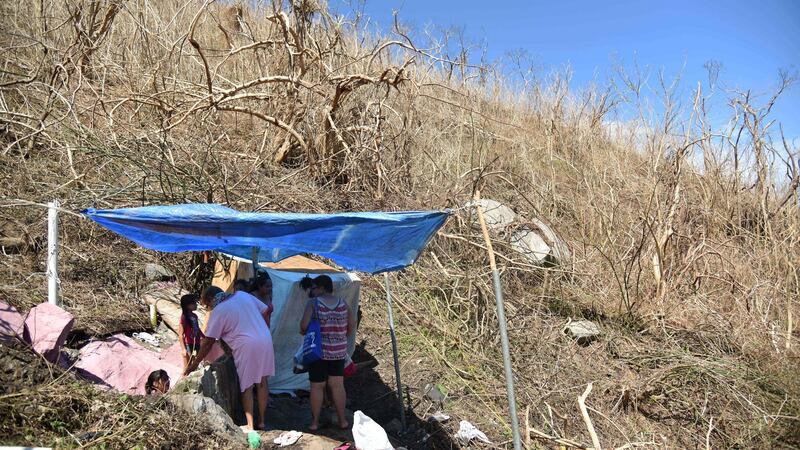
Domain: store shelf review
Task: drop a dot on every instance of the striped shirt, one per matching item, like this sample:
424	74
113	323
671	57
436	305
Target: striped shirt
333	323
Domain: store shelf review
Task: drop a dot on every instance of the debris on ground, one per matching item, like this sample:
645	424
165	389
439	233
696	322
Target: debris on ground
439	417
467	432
583	331
435	393
217	418
147	338
368	435
287	438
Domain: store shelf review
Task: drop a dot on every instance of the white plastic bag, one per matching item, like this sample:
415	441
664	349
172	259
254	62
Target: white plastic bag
368	435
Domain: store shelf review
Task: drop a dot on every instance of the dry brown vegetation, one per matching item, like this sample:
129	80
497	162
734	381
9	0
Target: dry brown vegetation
686	236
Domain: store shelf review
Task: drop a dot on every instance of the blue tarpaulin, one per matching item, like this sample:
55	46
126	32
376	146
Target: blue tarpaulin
365	241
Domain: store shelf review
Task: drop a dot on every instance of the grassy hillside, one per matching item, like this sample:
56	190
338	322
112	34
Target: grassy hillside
686	238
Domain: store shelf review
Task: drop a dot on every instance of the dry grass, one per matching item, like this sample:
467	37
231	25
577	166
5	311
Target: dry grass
685	238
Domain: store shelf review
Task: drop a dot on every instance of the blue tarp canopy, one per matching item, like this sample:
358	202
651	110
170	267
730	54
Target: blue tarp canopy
365	241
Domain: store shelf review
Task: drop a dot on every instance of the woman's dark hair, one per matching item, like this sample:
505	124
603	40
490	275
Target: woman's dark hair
306	283
210	292
240	285
324	282
259	281
187	300
155	376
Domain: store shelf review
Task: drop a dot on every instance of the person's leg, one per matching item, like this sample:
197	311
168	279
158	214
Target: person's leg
317	392
317	373
263	397
247	405
339	398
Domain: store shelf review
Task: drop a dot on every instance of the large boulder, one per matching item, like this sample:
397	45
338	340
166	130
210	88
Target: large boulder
531	245
206	407
47	328
533	239
496	215
583	331
12	323
156	272
221	382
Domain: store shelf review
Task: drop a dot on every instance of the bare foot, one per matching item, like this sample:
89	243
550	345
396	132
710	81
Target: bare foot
344	426
313	427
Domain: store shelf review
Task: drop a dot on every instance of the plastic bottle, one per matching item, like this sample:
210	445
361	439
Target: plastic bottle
254	439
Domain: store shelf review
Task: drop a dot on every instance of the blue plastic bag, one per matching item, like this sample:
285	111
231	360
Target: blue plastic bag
312	341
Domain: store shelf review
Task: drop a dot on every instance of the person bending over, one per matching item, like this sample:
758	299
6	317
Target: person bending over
241	321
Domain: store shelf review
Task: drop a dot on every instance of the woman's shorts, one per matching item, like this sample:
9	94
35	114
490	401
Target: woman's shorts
319	371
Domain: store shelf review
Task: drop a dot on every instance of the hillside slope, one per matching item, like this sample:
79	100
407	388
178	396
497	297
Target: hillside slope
685	239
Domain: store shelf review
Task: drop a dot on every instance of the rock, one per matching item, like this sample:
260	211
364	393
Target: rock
156	272
190	384
47	328
496	214
12	324
531	245
559	249
206	407
583	331
221	382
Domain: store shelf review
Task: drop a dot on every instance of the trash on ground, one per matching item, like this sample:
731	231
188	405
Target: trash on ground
287	438
254	439
368	435
468	432
435	393
439	417
147	338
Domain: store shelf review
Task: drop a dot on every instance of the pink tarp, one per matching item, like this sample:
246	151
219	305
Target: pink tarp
12	323
120	363
48	327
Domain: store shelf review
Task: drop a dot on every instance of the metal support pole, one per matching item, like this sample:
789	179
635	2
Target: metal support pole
52	252
394	352
501	318
254	260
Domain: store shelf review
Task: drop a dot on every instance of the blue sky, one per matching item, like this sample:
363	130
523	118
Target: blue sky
752	40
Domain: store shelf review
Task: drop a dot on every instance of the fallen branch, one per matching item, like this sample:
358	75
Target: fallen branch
586	418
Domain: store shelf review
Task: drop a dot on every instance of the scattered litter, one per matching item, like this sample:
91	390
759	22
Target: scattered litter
468	432
287	438
435	392
147	338
368	435
439	417
254	439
